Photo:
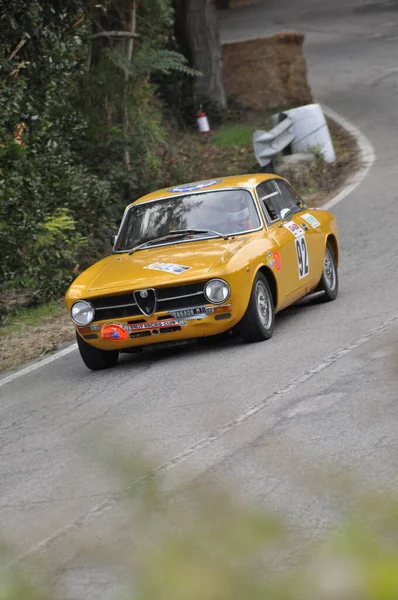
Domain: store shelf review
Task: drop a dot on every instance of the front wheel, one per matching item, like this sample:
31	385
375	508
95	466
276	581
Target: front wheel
329	283
94	358
258	323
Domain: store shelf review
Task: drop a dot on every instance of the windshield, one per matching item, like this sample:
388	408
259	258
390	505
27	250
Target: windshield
228	212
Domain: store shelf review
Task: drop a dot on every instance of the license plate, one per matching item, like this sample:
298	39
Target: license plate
192	312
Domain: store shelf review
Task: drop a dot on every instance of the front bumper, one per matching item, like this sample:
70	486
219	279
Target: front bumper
161	327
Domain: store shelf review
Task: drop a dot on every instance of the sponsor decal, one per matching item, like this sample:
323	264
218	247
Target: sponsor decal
191	187
270	259
121	331
164	324
311	220
294	228
277	261
114	331
168	268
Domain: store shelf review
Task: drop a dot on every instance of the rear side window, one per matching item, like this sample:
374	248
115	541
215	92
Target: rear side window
290	197
270	199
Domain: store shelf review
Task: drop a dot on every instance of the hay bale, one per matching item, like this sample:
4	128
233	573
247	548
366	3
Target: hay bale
267	73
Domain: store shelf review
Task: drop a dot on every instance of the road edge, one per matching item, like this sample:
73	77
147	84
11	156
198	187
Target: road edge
367	158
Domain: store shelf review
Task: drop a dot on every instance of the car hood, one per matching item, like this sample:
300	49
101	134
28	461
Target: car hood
186	261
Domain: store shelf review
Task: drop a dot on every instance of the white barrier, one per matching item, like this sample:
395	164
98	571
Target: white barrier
310	130
268	144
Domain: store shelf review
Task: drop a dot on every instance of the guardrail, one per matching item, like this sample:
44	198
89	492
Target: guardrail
267	144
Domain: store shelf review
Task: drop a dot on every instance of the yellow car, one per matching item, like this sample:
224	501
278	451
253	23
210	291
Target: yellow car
202	259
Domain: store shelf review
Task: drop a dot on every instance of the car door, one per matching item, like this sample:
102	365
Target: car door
271	202
309	245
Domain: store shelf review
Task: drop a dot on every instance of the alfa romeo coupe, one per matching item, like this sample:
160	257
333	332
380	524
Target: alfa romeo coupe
199	260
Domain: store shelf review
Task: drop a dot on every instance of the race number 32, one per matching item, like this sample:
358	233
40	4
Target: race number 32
302	256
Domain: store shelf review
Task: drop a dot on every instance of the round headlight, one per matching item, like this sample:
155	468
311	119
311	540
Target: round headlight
217	291
82	312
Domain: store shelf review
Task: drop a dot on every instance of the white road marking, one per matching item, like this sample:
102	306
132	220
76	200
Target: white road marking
37	365
210	438
367	156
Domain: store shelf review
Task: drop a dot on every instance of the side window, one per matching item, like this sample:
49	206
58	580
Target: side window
290	198
270	199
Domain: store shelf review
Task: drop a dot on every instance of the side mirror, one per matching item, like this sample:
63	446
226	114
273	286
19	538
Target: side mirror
113	240
286	214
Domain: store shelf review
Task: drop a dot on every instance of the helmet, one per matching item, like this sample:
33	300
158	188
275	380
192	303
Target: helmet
238	210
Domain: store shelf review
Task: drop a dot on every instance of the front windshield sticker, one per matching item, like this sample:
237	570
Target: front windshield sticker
168	268
190	187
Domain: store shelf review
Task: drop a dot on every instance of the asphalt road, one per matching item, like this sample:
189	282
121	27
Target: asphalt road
320	395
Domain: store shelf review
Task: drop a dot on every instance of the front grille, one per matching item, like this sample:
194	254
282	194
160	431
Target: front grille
168	299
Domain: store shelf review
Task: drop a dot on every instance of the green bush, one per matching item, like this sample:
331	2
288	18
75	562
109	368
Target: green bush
93	138
53	254
40	86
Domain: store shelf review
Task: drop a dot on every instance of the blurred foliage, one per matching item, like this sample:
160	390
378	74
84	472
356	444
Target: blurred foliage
203	543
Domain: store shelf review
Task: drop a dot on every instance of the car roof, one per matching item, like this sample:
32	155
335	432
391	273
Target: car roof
207	185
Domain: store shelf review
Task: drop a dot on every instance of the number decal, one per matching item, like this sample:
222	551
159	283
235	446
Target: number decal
302	256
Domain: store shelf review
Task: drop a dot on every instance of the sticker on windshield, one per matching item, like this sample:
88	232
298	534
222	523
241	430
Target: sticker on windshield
168	268
311	220
294	228
191	187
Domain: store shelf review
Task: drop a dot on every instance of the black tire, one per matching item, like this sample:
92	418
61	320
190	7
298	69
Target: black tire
257	325
329	283
94	358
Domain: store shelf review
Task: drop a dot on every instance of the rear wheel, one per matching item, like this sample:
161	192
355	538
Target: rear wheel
94	358
258	323
329	283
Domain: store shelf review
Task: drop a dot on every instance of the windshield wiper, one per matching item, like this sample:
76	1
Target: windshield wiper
193	231
175	234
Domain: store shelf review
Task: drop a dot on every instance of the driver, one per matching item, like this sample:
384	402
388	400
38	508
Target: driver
229	215
238	214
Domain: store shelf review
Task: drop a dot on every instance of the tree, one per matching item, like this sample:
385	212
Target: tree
197	30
